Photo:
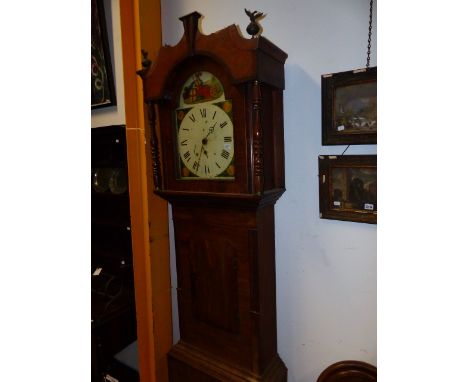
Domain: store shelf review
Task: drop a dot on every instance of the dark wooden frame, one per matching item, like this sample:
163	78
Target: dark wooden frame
330	83
99	38
326	165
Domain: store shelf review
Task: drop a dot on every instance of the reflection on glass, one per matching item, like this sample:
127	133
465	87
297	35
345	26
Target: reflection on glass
354	188
356	108
101	177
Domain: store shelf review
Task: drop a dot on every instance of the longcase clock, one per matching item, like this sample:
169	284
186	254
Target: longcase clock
215	106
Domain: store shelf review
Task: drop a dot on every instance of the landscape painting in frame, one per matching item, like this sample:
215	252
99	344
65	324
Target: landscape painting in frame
102	82
348	188
349	107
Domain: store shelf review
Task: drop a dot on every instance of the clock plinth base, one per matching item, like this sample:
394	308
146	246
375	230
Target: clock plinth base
186	363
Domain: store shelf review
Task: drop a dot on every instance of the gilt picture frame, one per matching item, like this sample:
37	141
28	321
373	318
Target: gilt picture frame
102	80
349	107
348	187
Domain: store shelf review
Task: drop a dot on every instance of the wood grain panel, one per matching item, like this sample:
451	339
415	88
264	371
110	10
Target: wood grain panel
214	281
213	276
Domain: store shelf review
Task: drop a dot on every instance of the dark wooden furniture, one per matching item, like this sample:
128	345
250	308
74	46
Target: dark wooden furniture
224	228
349	371
112	294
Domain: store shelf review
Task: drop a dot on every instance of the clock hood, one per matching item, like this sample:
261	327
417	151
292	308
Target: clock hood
245	59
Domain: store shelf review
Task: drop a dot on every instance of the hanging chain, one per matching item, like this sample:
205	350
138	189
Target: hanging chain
370	34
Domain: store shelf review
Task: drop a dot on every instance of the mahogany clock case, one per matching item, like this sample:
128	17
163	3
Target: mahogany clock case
223	228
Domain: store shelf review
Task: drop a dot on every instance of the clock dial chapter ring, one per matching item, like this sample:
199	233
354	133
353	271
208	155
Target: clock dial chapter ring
205	142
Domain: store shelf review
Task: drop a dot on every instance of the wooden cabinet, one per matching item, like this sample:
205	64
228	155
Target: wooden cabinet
112	288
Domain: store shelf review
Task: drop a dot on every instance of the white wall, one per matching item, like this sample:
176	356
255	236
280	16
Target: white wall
113	115
326	270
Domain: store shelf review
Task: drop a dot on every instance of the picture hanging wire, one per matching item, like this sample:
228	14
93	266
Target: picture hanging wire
369	39
345	150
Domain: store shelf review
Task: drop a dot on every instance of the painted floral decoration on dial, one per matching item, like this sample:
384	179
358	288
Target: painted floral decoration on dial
205	133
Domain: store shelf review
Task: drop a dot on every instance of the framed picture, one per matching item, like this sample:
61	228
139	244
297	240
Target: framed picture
348	188
102	81
349	107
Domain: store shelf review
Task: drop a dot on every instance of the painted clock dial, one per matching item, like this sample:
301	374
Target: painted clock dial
205	132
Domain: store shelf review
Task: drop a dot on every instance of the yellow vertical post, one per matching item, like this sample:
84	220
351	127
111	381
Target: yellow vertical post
148	213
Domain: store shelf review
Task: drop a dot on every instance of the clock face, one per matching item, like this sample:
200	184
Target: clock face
206	141
205	133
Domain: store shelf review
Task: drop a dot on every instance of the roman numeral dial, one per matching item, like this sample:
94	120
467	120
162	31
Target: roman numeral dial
205	138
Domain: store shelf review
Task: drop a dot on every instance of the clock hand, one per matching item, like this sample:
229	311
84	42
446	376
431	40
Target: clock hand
199	156
204	140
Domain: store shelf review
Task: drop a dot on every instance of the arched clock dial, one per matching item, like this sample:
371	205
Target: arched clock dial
205	141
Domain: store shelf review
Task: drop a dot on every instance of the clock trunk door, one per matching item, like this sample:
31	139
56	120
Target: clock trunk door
214	260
